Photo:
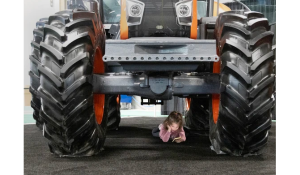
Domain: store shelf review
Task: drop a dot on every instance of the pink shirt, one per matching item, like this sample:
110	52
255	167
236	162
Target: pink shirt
165	135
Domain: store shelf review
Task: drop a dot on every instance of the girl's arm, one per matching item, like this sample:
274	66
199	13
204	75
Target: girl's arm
164	134
182	135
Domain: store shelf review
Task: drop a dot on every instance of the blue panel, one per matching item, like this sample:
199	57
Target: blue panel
126	99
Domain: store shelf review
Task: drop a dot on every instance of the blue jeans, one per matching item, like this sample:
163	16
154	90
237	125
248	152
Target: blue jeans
155	132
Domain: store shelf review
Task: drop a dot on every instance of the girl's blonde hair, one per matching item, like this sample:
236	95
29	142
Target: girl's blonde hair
174	117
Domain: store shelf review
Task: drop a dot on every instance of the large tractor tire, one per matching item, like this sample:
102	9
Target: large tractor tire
273	29
35	61
75	119
114	116
241	113
197	116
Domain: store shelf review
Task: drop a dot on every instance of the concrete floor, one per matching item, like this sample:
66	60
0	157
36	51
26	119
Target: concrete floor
133	150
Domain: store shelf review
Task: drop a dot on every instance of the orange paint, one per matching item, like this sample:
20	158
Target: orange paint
99	99
222	8
194	25
118	102
98	62
118	99
123	21
217	66
215	106
216	97
188	103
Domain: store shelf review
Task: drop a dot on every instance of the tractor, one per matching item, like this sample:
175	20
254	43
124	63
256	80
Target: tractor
219	60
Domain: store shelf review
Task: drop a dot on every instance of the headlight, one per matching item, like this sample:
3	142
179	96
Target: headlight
135	10
184	12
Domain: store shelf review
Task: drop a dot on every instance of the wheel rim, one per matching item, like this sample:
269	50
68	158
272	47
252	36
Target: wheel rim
99	99
118	99
215	106
216	97
188	103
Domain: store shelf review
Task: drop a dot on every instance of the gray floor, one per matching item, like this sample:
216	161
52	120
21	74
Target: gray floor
132	150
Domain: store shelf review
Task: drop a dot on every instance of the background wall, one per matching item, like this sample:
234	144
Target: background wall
33	11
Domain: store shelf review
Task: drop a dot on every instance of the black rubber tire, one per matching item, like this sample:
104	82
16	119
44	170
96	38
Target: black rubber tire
245	46
197	117
273	29
114	116
35	61
67	58
273	110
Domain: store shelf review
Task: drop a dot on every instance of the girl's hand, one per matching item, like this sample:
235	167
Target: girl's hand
178	140
169	128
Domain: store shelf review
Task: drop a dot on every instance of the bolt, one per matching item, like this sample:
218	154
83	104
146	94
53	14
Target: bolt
142	58
186	58
194	58
112	58
179	58
208	58
165	58
201	58
119	58
149	58
157	58
172	58
127	58
134	58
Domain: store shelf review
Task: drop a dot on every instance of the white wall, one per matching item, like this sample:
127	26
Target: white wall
33	11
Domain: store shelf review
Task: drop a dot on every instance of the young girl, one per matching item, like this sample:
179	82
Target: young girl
171	128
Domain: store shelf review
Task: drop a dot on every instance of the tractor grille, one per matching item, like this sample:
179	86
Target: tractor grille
159	20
